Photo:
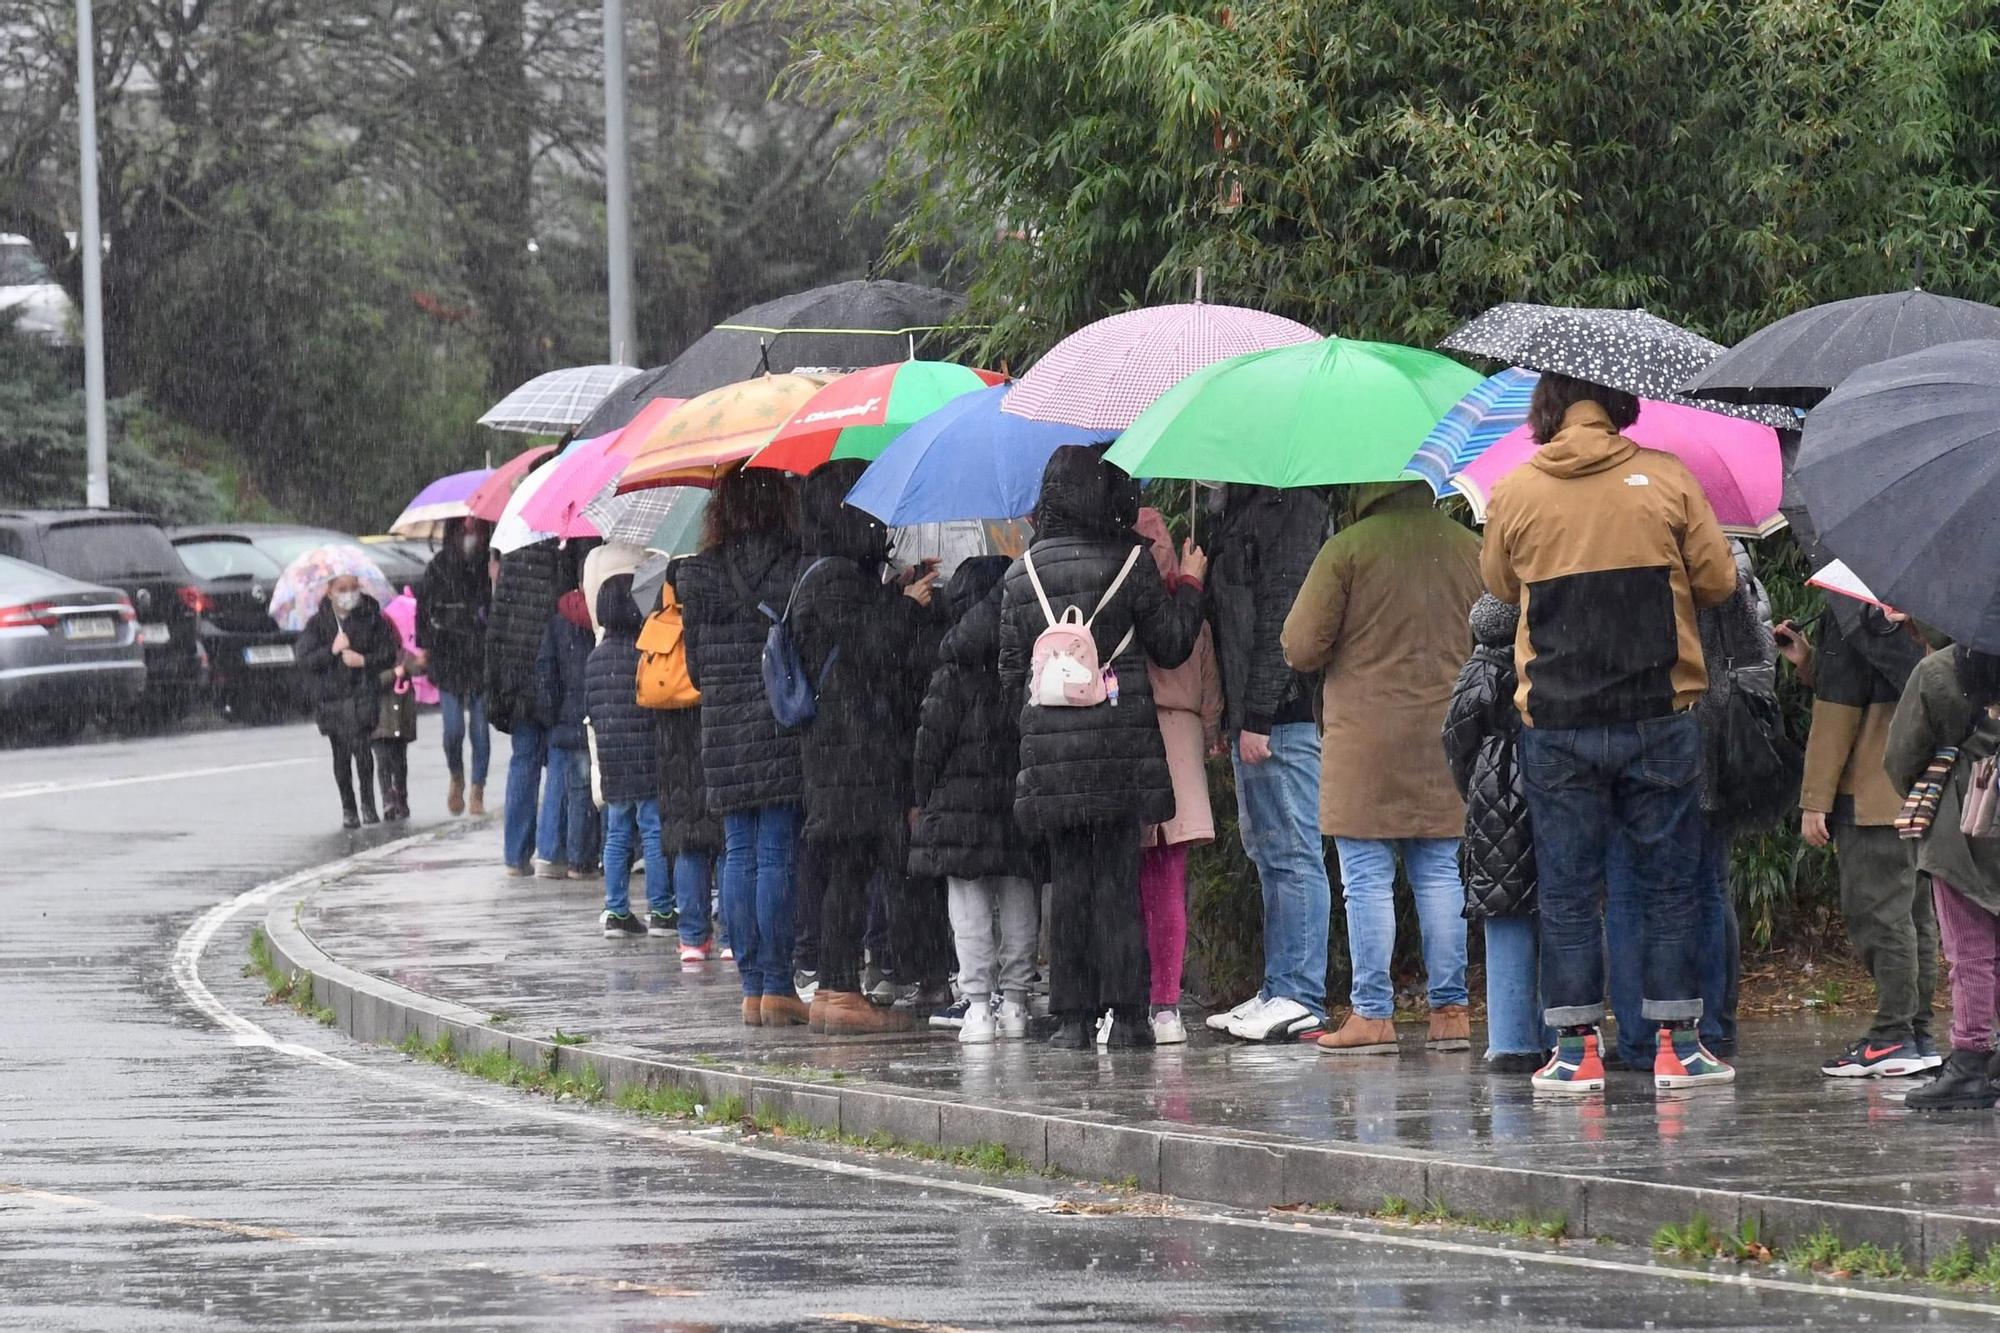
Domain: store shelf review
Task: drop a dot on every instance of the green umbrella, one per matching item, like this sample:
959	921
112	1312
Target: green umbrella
1316	414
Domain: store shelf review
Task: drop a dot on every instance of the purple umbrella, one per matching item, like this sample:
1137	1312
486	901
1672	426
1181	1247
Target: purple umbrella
442	499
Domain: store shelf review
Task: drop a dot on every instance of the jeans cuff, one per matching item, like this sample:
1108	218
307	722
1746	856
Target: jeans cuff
1574	1015
1670	1011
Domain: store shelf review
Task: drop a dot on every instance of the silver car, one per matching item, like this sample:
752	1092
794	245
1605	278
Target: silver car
68	650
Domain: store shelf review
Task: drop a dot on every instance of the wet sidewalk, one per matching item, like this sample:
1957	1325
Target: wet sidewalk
1214	1120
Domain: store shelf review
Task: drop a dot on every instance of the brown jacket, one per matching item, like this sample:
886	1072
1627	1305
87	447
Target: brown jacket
1609	550
1384	613
1859	675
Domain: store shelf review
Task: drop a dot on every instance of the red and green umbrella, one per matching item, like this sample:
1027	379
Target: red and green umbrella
857	415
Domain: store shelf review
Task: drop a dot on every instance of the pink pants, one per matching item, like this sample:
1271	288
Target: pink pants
1163	899
1972	944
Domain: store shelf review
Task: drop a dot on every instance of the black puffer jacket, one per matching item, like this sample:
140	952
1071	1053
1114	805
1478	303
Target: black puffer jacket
863	642
1481	731
560	668
969	742
1092	765
627	754
347	699
685	823
523	599
452	603
746	761
1260	553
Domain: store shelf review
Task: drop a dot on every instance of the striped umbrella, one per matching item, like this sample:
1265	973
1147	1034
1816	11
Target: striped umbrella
554	403
1495	406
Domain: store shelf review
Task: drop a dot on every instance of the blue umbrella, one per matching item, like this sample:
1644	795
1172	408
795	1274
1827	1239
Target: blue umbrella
966	460
1495	406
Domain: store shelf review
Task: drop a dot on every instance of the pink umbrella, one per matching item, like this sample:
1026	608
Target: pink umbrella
575	479
1105	374
490	500
1735	462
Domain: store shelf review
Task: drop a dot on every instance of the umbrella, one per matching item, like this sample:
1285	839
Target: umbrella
662	518
298	591
1801	358
1736	463
1495	406
1900	470
708	433
966	460
857	415
1105	374
1622	349
842	327
425	515
584	471
1318	414
490	499
512	531
554	403
1837	577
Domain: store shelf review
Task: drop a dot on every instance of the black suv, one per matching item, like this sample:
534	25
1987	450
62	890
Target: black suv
250	659
131	553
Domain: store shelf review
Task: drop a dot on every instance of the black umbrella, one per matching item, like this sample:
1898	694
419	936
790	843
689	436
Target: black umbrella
1801	358
843	326
1621	349
1900	470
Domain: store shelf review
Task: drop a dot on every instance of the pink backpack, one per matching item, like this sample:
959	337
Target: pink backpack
1063	670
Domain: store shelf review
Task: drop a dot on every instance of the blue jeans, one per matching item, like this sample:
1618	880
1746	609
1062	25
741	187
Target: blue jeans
1591	789
624	821
757	894
1277	816
693	872
1368	879
1718	961
459	709
1514	987
524	787
563	831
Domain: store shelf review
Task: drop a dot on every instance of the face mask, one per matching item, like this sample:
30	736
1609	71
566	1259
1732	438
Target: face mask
346	601
469	544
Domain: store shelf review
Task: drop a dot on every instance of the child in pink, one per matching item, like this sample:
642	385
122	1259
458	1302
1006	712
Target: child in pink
1188	699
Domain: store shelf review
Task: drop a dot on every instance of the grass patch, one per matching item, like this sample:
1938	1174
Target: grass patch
1527	1226
499	1066
294	989
561	1038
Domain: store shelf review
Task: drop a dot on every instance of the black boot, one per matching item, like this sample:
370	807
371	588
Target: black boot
368	815
1963	1084
1131	1030
349	819
1072	1033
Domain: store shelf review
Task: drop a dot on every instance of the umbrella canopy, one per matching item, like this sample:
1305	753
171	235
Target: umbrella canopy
1900	470
490	499
1804	356
298	591
554	403
857	415
443	499
661	518
842	326
1105	374
1736	463
1496	405
706	434
512	531
581	474
1837	577
1322	413
966	460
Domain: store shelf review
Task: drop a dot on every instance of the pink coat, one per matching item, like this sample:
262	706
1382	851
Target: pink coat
1188	699
402	613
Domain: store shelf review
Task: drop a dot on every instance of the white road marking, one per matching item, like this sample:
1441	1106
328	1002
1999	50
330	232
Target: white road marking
245	1230
25	789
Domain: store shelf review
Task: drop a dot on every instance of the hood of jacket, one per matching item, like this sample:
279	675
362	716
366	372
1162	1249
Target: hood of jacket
1083	496
975	640
975	577
616	610
1494	622
1586	444
831	526
571	607
1379	497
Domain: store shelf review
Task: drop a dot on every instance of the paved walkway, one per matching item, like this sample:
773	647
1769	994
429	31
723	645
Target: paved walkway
1783	1144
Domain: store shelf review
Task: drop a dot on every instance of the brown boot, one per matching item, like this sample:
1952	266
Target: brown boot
816	1015
1362	1036
848	1013
475	804
454	797
753	1011
784	1011
1451	1029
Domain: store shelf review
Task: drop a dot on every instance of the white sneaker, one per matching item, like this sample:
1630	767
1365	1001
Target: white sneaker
1167	1028
1012	1020
1280	1019
980	1027
1104	1022
1222	1022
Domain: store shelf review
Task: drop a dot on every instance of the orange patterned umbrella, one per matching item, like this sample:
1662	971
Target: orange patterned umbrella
703	437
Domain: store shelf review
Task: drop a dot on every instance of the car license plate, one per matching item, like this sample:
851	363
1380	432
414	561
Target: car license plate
154	634
90	627
268	654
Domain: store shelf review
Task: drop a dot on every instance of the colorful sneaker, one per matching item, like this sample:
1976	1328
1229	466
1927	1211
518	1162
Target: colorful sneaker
694	953
622	926
667	922
1683	1062
1927	1048
1877	1059
1575	1067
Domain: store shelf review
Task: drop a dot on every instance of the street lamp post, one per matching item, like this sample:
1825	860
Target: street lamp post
97	470
618	189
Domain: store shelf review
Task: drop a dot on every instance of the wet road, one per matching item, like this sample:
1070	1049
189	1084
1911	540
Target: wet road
158	1172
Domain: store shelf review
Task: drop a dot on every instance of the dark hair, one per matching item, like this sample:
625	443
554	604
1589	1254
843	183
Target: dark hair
1978	675
749	500
1556	394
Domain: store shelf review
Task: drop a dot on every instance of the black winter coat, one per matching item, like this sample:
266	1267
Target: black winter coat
746	761
523	599
559	673
1260	554
627	754
347	700
685	823
452	605
1481	731
1104	764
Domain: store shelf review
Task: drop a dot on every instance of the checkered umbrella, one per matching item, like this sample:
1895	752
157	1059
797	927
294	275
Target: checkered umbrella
1105	374
660	517
554	403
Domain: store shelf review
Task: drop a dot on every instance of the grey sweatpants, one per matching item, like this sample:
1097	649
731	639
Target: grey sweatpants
991	958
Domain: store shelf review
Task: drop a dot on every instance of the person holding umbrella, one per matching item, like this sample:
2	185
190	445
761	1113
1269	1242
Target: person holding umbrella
344	649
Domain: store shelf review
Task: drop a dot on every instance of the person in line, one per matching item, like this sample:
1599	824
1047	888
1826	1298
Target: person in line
1609	550
1188	699
1384	614
1264	541
1496	859
343	650
967	755
452	603
625	756
562	831
524	596
859	642
1093	777
395	728
749	559
690	836
1948	713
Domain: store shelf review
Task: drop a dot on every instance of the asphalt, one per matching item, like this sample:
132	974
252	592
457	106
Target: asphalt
174	1153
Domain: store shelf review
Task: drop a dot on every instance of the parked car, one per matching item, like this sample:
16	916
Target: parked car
402	560
31	300
69	651
131	553
250	658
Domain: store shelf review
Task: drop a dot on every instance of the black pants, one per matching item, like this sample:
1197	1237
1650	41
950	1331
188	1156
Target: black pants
810	876
392	763
846	866
352	759
919	930
1097	934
